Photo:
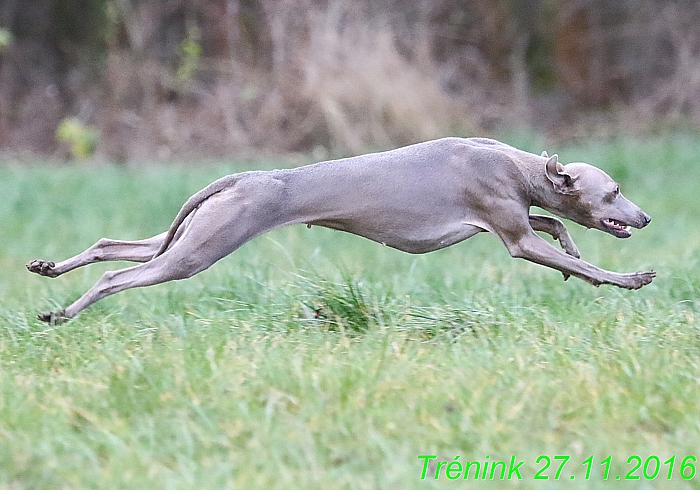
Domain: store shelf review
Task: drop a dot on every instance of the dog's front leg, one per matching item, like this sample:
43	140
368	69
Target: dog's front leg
555	228
531	247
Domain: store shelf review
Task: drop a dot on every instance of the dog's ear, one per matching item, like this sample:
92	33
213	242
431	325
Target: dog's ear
544	154
563	182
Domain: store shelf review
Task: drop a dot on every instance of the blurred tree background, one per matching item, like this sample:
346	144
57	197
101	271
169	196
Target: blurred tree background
145	79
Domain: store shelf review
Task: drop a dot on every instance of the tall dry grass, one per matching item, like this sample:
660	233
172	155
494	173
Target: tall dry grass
220	77
347	87
334	78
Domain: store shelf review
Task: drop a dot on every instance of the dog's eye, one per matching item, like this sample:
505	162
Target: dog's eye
610	197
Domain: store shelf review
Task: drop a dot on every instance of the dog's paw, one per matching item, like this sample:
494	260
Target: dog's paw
53	317
43	268
638	280
569	246
572	250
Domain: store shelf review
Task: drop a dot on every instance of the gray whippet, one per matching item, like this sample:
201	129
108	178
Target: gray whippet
417	199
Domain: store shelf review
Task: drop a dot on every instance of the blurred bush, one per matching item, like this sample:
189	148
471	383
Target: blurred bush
5	38
163	78
80	138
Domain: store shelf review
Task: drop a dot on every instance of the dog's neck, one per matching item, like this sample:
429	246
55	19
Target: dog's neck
540	190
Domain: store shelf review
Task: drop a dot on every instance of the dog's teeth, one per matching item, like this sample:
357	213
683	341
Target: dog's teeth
617	224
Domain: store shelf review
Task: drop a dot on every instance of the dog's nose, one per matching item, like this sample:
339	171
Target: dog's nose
647	219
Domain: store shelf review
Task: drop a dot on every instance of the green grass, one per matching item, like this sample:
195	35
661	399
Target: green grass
316	359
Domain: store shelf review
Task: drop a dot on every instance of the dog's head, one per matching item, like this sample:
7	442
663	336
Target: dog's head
591	198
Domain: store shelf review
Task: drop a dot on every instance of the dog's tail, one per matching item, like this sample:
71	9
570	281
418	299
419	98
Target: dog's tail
193	203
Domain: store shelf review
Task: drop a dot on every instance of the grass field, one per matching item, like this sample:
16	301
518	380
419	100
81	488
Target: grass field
313	359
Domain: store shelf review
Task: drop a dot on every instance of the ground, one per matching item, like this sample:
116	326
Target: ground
316	359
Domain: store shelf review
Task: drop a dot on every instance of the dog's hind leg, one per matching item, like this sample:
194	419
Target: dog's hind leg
104	250
221	225
161	269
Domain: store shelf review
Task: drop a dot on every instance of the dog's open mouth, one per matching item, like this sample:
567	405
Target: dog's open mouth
617	228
